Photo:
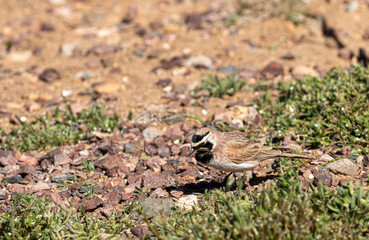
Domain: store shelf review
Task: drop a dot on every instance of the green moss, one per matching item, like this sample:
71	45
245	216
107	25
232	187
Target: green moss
59	129
37	218
326	111
220	87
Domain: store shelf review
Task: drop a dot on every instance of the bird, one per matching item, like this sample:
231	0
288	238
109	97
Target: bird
233	151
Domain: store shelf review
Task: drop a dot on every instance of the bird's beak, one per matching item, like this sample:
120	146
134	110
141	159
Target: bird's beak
191	152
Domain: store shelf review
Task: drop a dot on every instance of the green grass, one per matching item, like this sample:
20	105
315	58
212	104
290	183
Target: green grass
220	87
282	209
33	218
88	166
60	128
330	111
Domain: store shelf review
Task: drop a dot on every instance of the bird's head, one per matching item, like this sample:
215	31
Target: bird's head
204	140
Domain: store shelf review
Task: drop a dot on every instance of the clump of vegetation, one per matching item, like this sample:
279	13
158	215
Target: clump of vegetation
282	209
88	166
292	10
220	87
326	111
37	218
59	129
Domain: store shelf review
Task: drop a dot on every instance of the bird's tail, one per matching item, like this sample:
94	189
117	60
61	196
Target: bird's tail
295	155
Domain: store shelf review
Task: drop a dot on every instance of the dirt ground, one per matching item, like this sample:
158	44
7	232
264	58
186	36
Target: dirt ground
110	51
147	57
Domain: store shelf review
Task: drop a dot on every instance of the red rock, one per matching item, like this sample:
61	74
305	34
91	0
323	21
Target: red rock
109	162
17	188
94	63
7	158
56	198
75	201
153	164
140	231
101	49
74	187
61	159
154	181
111	198
176	194
272	70
134	179
159	193
89	204
49	75
131	188
174	134
164	151
159	141
27	160
224	116
113	182
126	196
27	169
185	127
168	167
112	172
39	187
140	168
175	149
194	20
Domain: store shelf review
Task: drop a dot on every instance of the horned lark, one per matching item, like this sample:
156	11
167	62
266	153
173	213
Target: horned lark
233	151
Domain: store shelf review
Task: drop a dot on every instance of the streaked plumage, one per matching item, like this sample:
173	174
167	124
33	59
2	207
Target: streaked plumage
233	151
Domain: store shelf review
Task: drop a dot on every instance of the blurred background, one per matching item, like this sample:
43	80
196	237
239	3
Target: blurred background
138	55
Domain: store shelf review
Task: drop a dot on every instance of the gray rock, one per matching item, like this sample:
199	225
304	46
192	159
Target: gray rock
49	75
230	69
151	133
179	88
89	204
3	195
14	179
140	231
63	179
322	175
129	148
155	206
199	61
7	158
343	166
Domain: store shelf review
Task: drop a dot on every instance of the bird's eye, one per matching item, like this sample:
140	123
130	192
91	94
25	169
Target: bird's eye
208	145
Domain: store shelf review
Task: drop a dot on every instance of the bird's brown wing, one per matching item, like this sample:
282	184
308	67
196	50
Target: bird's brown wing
251	151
